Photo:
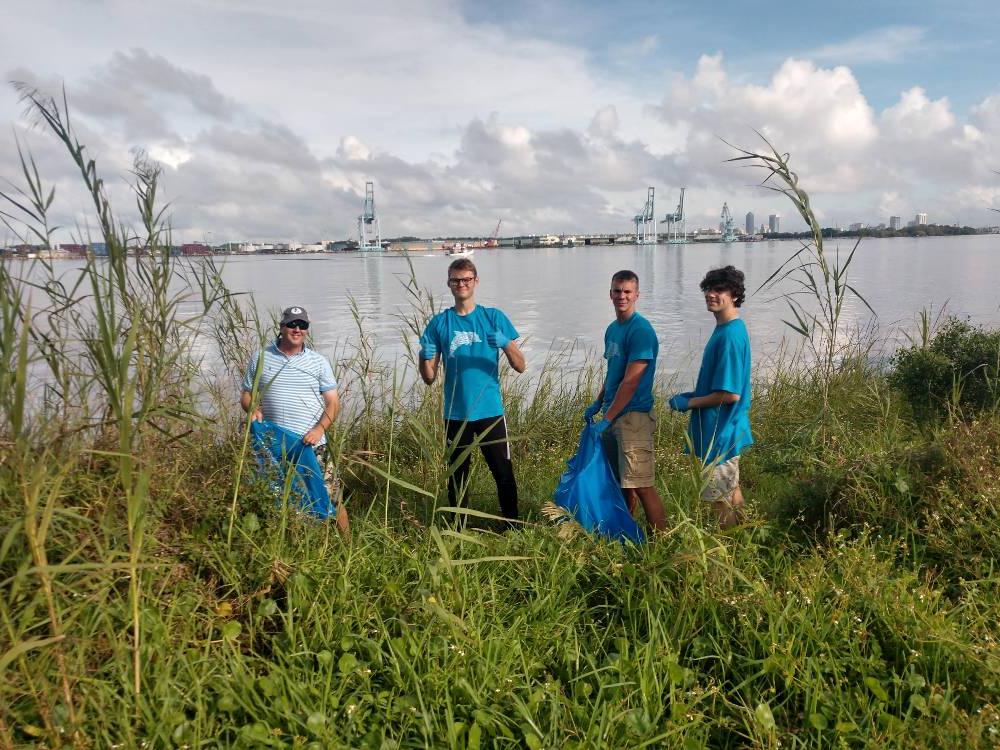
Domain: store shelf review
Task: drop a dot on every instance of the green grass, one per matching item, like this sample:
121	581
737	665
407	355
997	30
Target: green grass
153	595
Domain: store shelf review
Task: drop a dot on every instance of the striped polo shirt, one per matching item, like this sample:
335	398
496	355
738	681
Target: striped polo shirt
291	387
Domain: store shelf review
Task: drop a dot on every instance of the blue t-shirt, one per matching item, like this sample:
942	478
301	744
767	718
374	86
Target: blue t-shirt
719	433
627	342
471	372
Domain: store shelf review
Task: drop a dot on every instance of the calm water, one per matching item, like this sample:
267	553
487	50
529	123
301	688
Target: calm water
558	297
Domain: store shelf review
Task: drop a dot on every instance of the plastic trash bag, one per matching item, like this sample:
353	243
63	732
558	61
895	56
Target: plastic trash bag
276	450
589	491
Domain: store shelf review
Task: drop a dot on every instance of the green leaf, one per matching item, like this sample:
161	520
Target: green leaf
818	721
347	663
845	726
764	717
475	736
231	629
877	690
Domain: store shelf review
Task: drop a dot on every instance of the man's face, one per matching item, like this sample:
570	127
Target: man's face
462	284
624	295
718	300
294	332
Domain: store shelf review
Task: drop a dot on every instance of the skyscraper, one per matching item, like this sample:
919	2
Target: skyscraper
895	223
920	219
774	223
749	224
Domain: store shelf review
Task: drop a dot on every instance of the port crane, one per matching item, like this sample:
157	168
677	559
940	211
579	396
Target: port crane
369	234
676	236
728	227
494	240
645	222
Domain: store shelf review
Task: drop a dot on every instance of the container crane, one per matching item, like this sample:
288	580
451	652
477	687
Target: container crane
676	236
645	222
728	226
369	234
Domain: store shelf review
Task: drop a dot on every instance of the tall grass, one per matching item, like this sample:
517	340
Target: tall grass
152	593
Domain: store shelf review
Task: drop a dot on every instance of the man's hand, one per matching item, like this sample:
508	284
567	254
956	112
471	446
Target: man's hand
497	340
602	426
257	416
313	436
591	411
680	402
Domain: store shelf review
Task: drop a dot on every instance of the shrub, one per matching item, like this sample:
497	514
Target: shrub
958	367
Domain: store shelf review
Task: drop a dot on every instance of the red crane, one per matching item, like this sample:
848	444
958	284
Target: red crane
493	241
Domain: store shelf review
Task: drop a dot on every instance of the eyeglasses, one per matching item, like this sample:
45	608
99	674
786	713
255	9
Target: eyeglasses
461	280
300	324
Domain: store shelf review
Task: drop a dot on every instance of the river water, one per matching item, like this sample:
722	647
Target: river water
557	298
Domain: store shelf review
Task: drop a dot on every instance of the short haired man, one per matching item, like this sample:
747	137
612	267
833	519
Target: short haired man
630	347
719	427
297	388
468	339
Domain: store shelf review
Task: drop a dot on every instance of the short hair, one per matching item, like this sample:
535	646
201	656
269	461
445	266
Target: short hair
463	264
728	279
625	275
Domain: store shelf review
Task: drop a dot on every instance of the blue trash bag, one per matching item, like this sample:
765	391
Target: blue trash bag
588	489
276	449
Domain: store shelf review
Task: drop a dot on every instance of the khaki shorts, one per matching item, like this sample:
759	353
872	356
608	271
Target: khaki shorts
723	479
633	434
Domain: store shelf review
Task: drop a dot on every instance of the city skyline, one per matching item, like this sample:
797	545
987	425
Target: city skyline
464	114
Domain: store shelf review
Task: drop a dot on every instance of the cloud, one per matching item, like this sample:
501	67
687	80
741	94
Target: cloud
274	134
886	45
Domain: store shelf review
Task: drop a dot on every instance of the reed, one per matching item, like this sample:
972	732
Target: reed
153	593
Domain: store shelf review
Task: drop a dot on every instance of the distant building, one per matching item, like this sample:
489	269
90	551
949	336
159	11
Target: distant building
856	226
895	223
774	223
195	248
749	222
99	248
920	219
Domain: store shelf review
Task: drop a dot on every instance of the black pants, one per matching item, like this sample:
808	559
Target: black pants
492	433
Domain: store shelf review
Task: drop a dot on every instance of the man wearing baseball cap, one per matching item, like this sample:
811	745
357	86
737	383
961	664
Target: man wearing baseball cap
296	387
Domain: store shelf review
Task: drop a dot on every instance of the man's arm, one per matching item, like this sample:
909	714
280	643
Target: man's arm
331	407
429	368
515	357
715	398
246	400
630	381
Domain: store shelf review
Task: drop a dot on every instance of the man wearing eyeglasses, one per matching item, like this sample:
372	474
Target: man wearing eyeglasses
468	339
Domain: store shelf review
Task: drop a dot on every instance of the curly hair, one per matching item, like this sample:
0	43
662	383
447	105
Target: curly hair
727	279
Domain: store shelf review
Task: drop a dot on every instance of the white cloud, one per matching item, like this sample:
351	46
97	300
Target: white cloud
272	130
888	44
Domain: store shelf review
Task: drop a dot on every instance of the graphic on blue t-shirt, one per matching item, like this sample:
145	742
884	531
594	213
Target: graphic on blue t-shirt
631	341
719	433
471	371
462	338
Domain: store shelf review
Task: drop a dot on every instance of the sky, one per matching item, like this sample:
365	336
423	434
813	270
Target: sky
554	117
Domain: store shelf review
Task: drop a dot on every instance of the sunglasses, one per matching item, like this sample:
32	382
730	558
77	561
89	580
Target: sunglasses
461	280
299	324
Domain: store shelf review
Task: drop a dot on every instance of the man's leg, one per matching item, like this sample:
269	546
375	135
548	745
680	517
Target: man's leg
496	451
730	512
634	434
460	435
723	491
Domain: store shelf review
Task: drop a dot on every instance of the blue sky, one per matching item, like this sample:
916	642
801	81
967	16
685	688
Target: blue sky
951	49
555	116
